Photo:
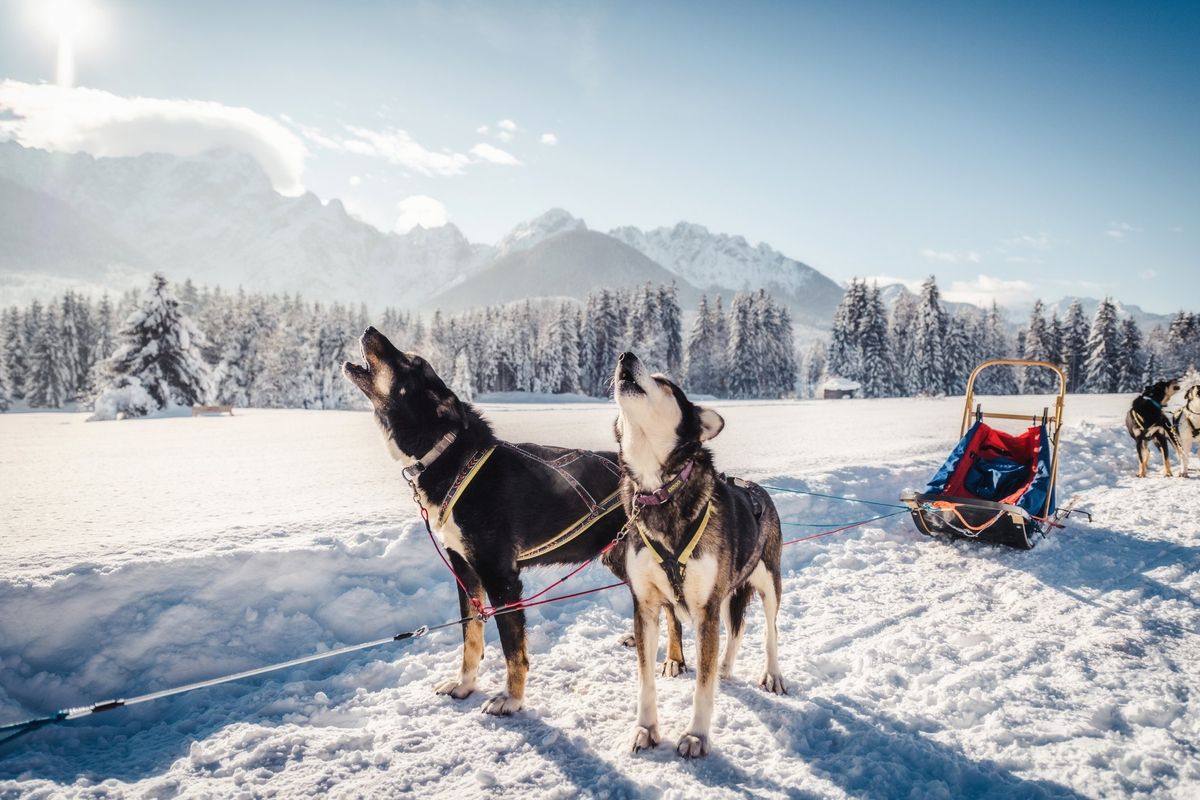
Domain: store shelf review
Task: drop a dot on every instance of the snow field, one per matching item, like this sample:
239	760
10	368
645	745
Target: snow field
916	668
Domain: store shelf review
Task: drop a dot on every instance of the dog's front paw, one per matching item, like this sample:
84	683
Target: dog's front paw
672	668
502	704
692	745
644	737
627	640
455	688
773	683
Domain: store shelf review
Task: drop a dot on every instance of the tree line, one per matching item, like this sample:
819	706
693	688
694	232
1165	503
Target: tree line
921	348
164	347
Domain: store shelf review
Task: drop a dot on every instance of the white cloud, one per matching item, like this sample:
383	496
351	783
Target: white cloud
78	120
420	209
1120	230
506	128
355	180
1035	241
984	289
482	130
487	152
549	138
396	147
1148	274
952	256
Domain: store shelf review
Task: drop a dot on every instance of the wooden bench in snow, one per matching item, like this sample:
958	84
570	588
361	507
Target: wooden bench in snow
198	410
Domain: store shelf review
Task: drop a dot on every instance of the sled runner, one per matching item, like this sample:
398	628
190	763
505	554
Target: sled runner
995	487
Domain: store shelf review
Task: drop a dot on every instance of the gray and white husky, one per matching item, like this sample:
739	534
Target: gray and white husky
701	544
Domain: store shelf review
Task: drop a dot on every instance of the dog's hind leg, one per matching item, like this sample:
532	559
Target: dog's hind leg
464	684
645	631
511	626
770	588
733	616
1164	446
1143	450
694	743
674	664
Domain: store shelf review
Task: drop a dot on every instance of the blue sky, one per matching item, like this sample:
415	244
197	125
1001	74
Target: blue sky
1013	149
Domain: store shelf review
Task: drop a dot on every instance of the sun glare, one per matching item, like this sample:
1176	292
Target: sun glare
72	23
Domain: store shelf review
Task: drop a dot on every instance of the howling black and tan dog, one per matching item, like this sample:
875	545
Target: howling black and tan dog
704	544
494	504
1147	422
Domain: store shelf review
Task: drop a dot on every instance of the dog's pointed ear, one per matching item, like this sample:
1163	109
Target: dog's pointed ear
450	408
711	423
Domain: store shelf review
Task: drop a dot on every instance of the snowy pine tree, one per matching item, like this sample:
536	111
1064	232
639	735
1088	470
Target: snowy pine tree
777	353
1074	346
1101	371
960	351
703	364
47	386
743	372
900	333
16	365
927	372
158	362
720	349
70	343
1054	341
1037	380
1131	362
996	344
1182	344
672	330
878	366
845	356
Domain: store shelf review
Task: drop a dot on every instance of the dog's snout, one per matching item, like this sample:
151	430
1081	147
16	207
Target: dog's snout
370	331
626	356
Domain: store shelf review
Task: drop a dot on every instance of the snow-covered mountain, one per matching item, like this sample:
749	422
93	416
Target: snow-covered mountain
1146	320
718	262
568	264
214	218
535	231
107	222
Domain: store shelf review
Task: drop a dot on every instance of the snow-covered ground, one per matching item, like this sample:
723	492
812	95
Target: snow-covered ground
143	554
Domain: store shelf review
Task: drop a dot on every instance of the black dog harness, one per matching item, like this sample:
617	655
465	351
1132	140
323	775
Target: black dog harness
1162	422
674	564
596	509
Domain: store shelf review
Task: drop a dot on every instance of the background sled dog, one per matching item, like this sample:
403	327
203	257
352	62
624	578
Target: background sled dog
702	543
495	504
1147	422
1187	426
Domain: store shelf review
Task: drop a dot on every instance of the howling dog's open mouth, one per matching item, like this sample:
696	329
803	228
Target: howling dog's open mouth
359	371
627	382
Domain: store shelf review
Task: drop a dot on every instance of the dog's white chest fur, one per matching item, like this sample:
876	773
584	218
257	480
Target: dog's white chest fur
648	578
449	532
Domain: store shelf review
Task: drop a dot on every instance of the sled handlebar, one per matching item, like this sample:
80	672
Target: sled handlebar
1060	397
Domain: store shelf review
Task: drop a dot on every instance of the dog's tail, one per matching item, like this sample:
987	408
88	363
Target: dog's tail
737	607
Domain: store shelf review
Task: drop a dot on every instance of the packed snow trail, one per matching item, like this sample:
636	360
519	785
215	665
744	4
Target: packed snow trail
916	667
